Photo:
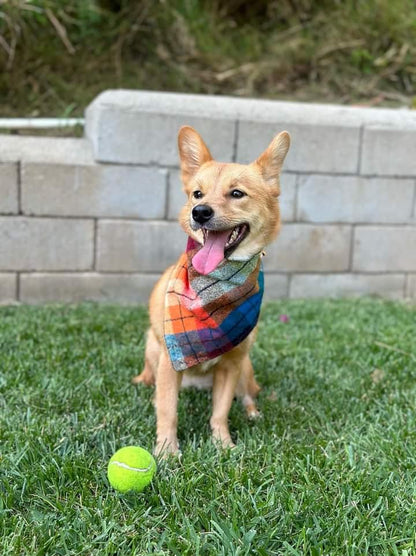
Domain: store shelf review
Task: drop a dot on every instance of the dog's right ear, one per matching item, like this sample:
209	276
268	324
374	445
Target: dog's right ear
192	151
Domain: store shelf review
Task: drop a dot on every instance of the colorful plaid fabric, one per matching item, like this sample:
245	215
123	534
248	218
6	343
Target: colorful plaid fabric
206	316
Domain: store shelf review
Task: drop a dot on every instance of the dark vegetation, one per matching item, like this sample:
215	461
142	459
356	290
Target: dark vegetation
56	56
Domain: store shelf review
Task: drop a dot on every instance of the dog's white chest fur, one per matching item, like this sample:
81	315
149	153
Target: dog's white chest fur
199	376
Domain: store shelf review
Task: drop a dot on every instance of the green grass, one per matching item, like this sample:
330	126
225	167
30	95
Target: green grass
328	470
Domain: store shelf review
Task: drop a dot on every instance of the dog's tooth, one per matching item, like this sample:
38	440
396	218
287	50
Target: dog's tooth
234	235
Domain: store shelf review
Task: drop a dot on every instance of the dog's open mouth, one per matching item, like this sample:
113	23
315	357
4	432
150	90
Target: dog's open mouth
218	244
234	237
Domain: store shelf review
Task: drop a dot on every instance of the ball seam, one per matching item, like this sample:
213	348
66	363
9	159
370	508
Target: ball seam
129	468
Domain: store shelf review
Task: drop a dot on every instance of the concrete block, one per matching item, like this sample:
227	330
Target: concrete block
45	244
312	113
306	248
330	147
276	286
52	150
354	199
413	217
8	288
125	289
177	197
8	189
131	246
138	127
385	249
93	190
389	150
411	286
141	127
347	285
288	196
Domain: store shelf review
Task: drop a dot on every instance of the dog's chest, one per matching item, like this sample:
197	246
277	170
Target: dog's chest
207	365
200	376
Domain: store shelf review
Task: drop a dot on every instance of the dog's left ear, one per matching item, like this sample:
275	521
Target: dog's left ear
192	151
271	161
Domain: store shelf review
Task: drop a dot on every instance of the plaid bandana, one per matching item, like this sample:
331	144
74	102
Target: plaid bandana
206	316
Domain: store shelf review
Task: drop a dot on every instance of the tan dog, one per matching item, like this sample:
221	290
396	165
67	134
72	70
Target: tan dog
233	211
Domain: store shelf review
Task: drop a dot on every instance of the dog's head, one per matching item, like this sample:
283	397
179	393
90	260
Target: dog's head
232	209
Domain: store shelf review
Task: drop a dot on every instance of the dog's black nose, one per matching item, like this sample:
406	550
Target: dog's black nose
202	213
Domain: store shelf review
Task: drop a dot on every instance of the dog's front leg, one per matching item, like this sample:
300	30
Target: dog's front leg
168	382
226	376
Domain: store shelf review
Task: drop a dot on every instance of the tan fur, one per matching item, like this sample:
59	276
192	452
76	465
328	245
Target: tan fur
232	373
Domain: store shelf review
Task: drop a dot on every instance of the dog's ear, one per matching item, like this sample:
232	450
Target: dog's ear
192	151
271	161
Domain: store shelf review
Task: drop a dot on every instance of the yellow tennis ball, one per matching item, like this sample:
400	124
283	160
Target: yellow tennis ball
131	468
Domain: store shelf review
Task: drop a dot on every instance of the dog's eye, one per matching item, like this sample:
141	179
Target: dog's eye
237	194
197	194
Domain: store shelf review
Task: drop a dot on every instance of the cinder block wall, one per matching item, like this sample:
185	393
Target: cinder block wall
95	218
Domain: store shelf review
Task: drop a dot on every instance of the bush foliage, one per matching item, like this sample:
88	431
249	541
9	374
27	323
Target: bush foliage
55	56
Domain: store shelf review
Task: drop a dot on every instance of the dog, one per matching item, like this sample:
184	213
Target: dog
204	309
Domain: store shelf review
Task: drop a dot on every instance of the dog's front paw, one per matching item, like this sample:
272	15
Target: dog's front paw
165	448
223	443
221	437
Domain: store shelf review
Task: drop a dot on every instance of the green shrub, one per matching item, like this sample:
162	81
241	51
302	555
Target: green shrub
55	56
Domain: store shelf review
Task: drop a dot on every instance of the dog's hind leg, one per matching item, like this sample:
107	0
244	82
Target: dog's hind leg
151	361
248	389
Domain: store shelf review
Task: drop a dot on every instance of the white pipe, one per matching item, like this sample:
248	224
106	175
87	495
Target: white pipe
39	123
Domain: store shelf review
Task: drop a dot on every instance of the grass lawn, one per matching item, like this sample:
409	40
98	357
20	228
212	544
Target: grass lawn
330	469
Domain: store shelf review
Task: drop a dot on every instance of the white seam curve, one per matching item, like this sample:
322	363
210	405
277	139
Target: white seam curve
125	466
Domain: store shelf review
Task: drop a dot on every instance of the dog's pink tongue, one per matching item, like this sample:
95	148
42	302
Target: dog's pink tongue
211	253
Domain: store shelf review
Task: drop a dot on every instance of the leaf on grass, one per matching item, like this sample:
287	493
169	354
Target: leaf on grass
377	376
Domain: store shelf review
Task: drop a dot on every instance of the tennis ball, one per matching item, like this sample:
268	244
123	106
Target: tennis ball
131	468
